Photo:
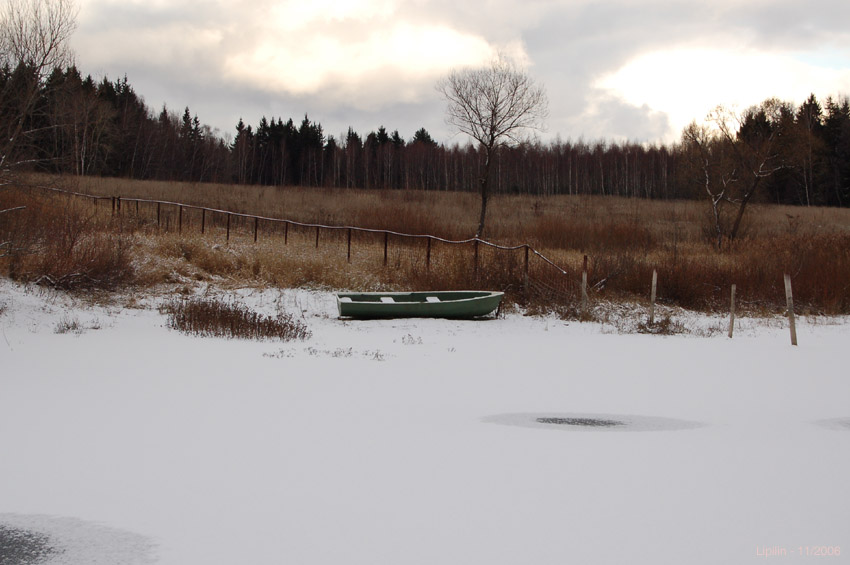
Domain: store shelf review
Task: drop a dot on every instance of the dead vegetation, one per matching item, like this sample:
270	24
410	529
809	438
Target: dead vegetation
213	317
75	244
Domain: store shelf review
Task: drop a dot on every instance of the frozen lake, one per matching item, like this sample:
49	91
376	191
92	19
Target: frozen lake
515	440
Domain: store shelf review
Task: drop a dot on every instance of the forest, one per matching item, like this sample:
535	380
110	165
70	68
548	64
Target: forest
81	126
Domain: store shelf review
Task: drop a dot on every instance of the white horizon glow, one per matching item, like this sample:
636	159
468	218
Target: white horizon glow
687	83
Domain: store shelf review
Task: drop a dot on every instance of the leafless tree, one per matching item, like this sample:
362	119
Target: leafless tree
707	158
495	105
730	160
34	38
752	137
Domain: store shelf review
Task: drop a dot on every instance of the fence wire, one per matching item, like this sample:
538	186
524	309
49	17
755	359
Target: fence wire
519	268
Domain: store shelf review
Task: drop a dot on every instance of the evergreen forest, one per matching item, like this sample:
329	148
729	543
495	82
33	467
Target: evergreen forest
82	126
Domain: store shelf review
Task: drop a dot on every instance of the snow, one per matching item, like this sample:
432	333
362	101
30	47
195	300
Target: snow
417	441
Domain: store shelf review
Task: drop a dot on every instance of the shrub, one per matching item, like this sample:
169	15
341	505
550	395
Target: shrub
53	241
216	318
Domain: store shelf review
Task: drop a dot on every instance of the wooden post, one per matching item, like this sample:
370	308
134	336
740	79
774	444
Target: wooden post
137	208
256	228
525	270
203	219
428	253
584	287
475	256
286	233
386	244
732	313
228	226
790	301
349	245
180	220
652	297
317	237
158	215
118	203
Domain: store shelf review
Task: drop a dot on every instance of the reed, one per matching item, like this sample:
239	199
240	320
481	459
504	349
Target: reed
625	240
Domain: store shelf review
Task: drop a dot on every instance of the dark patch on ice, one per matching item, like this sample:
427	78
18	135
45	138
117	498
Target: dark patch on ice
23	547
51	540
839	424
593	422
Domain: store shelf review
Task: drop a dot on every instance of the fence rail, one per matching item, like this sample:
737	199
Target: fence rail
543	276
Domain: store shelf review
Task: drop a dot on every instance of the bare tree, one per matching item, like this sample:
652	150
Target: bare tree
752	137
729	161
708	164
494	105
34	38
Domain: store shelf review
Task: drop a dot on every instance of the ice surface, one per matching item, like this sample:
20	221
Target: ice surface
373	442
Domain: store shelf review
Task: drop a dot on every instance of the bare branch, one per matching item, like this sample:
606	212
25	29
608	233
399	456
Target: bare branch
494	105
36	33
34	37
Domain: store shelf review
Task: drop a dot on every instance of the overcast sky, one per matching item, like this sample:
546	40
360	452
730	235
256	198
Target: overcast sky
613	69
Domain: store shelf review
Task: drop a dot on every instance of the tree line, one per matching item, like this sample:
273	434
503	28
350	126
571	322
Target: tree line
81	126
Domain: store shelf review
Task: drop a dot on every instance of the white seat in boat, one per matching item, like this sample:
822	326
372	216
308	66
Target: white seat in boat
387	299
345	299
431	299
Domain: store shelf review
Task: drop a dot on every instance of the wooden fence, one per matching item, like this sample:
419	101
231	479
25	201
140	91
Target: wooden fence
534	272
537	274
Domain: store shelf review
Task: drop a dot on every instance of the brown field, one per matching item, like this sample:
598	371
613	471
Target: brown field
625	239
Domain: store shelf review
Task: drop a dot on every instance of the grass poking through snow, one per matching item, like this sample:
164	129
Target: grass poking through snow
215	318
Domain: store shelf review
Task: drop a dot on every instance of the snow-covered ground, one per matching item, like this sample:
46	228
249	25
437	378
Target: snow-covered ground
418	441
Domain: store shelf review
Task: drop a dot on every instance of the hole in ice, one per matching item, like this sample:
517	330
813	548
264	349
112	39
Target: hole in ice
840	424
592	422
31	539
23	547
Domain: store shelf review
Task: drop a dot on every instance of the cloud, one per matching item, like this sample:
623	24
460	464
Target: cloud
395	62
613	68
687	83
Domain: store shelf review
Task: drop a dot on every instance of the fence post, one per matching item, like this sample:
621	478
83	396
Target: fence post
475	253
652	298
584	287
386	244
790	302
732	313
525	269
203	219
228	226
118	203
180	220
286	233
137	208
428	253
158	215
256	228
317	237
349	245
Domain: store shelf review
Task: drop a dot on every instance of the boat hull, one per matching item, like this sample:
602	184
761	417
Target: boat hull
461	304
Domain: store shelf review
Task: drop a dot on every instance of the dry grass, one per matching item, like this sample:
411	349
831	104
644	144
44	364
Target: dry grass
61	243
211	317
625	240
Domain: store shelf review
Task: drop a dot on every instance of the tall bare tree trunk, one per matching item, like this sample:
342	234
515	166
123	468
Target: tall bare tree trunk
484	185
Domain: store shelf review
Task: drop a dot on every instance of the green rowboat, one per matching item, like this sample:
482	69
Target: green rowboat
448	304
